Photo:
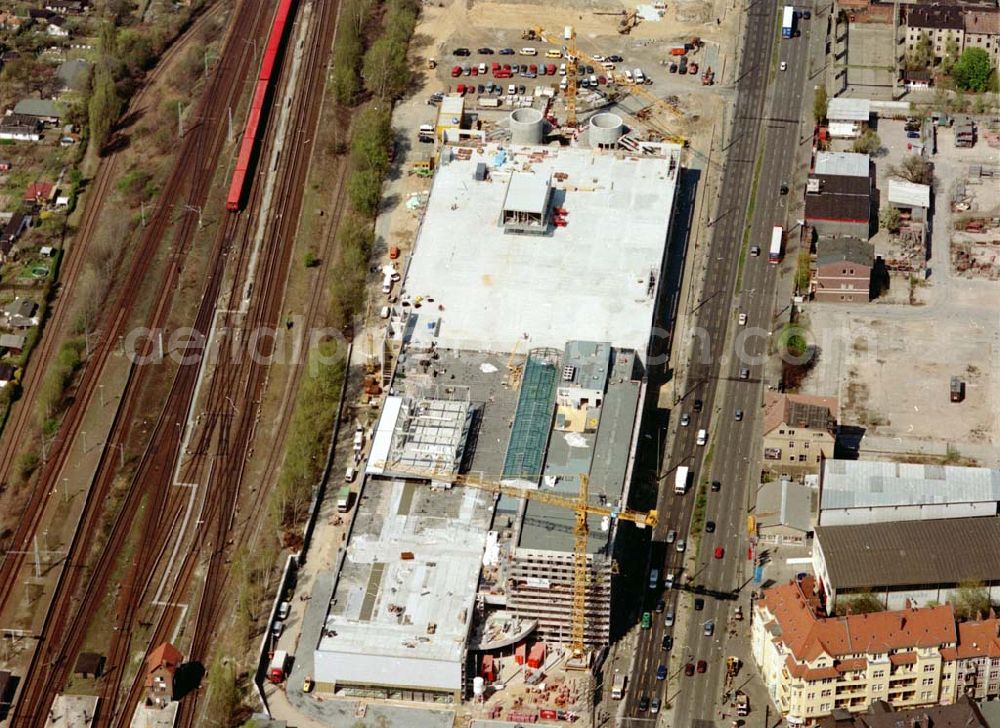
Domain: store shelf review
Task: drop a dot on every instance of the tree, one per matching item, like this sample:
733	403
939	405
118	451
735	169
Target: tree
104	106
862	603
972	71
950	55
819	104
868	143
914	168
922	53
888	218
971	600
385	69
364	187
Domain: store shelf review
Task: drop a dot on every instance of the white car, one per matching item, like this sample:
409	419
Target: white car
783	66
685	419
743	319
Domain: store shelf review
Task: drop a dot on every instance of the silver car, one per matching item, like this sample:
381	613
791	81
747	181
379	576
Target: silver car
671	536
709	628
680	546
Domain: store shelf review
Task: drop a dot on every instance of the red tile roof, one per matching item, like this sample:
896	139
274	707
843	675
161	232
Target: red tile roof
903	658
979	639
809	636
166	656
38	191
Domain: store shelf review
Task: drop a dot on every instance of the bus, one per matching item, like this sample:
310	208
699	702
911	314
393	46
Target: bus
788	22
777	238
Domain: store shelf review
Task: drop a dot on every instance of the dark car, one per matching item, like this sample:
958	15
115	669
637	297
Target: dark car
590	70
522	89
739	415
699	604
486	51
435	98
615	59
698	405
806	15
481	89
668	642
462	52
783	189
702	666
506	51
660	606
644	703
913	135
689	669
709	526
673	68
661	672
716	486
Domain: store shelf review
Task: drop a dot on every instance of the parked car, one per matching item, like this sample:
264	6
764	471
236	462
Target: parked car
602	81
456	71
806	14
522	89
671	536
673	68
660	606
709	526
615	59
486	51
743	319
668	620
643	703
668	643
744	373
689	669
461	52
654	707
680	546
506	51
277	627
702	666
709	628
435	98
699	604
482	69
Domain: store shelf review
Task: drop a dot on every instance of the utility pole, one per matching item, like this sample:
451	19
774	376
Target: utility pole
180	122
229	111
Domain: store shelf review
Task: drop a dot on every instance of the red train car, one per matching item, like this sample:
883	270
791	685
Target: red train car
256	117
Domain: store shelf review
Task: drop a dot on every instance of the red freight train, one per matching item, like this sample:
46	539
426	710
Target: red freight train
255	117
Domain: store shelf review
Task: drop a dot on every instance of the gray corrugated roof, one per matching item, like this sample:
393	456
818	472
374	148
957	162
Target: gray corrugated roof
38	107
843	109
872	483
902	192
850	164
911	553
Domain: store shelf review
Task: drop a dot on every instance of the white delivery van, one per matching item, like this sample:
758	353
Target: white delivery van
681	480
702	437
639	77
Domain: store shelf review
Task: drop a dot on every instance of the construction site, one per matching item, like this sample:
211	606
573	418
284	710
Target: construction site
480	555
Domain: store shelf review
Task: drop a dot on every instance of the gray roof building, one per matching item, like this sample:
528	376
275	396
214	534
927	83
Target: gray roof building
784	506
848	164
39	108
909	553
838	250
855	492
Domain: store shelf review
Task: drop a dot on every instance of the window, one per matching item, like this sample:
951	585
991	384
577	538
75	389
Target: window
826	693
852	271
803	457
928	668
791	444
878	673
781	432
927	681
806	446
818	458
810	696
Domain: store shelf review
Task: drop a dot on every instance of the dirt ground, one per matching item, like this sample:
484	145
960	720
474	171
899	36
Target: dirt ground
891	362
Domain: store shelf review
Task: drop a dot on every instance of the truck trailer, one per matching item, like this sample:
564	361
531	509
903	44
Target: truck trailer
777	238
787	22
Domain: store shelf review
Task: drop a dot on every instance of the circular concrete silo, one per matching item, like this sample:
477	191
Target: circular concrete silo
605	130
527	126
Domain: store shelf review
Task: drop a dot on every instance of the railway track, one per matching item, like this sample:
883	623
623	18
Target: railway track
64	627
21	416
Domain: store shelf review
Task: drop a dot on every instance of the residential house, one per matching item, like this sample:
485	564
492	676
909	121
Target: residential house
847	117
15	227
800	430
40	193
964	713
21	313
843	270
8	373
977	658
161	667
20	128
838	205
916	79
12	343
982	30
66	7
814	665
944	25
784	513
57	27
46	111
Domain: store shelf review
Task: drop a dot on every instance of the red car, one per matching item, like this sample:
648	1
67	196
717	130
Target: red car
456	71
460	89
475	70
550	68
689	669
702	666
719	552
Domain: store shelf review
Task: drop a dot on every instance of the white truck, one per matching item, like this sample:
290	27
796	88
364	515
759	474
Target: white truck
618	686
681	480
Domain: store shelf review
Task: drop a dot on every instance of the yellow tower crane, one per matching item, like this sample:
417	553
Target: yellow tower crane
580	505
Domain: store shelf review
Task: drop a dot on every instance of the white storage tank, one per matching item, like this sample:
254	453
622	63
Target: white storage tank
606	129
527	126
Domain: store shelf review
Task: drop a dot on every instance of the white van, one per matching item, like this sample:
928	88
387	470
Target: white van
702	437
529	51
387	284
349	475
384	313
511	90
639	77
482	69
562	69
628	76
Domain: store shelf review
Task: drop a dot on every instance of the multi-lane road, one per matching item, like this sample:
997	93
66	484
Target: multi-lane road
768	111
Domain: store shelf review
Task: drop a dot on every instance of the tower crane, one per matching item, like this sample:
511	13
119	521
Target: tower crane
580	505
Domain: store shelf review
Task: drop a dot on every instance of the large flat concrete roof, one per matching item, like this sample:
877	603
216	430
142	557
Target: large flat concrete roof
595	279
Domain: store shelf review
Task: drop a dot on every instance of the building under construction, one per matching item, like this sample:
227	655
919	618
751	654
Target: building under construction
522	329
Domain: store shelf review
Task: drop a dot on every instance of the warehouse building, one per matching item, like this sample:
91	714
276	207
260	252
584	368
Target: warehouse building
855	492
904	562
847	118
520	337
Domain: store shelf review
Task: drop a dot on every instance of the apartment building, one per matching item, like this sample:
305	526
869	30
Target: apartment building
813	665
799	431
956	25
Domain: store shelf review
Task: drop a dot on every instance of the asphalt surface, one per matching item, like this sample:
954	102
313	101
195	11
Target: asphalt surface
771	99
